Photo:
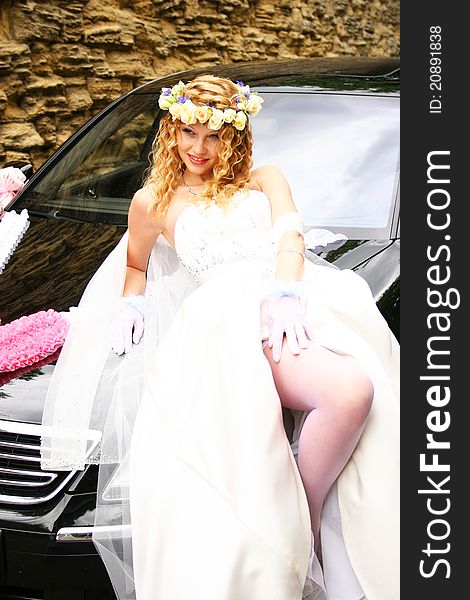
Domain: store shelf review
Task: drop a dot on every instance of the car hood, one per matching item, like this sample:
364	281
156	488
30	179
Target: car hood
22	399
56	262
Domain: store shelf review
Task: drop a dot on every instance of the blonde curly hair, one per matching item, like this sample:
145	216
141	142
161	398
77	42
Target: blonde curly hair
231	172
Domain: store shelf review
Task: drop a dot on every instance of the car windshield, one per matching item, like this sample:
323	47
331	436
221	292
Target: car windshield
339	153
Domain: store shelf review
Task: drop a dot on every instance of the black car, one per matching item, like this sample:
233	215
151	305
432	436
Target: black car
331	125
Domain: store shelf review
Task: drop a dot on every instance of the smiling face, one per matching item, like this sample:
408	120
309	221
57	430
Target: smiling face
198	148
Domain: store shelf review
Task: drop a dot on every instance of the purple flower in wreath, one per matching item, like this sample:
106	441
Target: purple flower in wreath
182	99
166	91
244	89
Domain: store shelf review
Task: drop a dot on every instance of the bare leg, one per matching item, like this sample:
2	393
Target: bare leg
338	396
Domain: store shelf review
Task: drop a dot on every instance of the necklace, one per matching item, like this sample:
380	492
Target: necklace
189	188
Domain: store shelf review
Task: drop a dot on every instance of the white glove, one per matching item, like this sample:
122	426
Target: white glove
286	317
128	325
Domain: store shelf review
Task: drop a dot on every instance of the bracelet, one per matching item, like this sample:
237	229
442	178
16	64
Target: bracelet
291	250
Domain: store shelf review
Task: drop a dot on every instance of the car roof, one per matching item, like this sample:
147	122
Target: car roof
338	73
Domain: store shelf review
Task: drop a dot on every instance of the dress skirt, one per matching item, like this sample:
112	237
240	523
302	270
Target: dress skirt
218	508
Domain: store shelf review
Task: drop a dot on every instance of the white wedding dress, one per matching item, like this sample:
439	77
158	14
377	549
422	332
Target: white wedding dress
217	506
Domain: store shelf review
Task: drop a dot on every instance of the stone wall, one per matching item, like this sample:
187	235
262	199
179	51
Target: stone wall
62	61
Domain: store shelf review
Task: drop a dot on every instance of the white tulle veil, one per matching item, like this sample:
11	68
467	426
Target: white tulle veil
94	395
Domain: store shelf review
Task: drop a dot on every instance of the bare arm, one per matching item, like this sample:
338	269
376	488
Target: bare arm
273	183
143	231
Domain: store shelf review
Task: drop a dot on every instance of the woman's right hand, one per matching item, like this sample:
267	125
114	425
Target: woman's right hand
128	325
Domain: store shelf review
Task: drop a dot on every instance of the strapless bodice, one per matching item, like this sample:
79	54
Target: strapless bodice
208	237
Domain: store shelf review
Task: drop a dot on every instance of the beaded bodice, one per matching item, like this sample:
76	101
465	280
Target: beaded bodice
210	237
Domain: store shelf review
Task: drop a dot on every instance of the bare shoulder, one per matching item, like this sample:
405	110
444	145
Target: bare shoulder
141	200
265	176
139	211
270	180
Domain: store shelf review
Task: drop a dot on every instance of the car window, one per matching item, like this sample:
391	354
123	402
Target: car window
95	176
339	153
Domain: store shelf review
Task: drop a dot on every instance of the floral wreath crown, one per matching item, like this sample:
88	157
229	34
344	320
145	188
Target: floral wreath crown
181	107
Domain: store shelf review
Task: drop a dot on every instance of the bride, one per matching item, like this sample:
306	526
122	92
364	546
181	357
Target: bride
237	325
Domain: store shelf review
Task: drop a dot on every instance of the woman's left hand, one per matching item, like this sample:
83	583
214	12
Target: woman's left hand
286	316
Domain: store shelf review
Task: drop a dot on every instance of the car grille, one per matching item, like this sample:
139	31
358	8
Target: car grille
21	479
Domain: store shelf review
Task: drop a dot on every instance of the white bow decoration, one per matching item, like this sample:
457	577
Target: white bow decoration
12	225
322	240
